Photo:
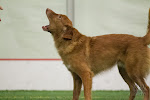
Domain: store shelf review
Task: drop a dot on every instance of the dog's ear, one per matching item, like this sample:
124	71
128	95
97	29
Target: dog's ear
68	32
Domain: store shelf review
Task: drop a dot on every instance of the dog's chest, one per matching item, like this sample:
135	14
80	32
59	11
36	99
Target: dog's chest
68	66
67	63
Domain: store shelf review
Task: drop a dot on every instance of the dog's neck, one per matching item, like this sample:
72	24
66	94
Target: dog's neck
67	46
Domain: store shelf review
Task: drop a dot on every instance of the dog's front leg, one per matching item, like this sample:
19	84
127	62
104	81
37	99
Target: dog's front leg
77	86
86	75
87	83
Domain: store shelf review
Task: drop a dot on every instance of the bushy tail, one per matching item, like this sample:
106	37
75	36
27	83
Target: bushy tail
146	38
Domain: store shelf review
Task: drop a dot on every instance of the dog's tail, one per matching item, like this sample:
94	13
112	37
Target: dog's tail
146	38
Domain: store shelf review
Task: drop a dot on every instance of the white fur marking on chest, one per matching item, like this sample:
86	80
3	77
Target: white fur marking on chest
68	66
120	64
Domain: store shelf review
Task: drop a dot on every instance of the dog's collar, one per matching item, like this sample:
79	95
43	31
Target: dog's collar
49	31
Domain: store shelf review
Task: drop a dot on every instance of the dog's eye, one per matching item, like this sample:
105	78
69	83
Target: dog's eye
59	16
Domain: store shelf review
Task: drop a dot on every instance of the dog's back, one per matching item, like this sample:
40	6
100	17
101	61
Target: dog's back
106	50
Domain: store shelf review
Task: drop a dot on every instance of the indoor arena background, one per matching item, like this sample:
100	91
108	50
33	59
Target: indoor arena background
28	58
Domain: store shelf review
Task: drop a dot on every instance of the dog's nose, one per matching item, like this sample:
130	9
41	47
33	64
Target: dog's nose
48	10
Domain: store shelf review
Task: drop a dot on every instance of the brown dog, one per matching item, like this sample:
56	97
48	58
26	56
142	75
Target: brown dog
87	56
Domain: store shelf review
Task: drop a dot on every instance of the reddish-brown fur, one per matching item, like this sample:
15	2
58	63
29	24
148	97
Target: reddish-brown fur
87	56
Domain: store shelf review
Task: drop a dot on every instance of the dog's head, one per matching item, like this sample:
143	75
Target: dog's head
58	23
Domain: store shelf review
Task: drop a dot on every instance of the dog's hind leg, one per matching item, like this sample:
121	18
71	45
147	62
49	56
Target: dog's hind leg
128	80
144	87
136	69
77	86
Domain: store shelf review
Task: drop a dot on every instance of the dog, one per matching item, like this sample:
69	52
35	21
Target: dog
86	56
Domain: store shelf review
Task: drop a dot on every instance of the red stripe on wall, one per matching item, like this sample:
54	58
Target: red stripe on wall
26	59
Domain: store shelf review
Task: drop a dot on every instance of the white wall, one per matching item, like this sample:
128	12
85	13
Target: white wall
51	75
99	17
21	33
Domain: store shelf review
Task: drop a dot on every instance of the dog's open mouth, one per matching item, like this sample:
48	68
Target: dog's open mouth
45	28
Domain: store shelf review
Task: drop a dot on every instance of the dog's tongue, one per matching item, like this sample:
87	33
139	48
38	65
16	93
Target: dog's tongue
45	28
